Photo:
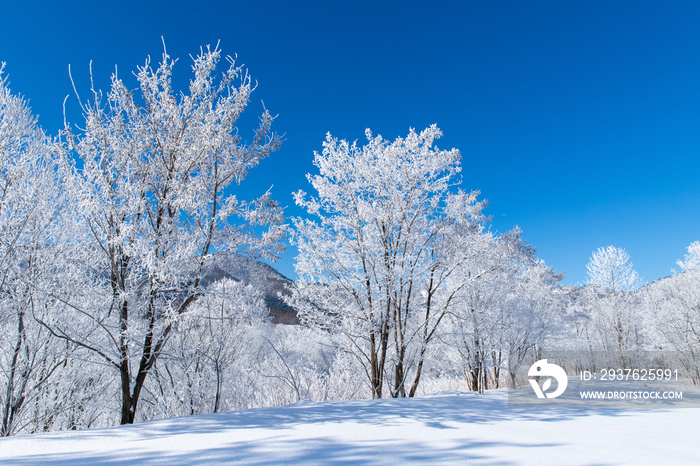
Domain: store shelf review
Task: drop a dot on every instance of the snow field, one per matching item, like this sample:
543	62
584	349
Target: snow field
447	428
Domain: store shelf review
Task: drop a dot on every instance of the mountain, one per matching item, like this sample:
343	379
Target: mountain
261	276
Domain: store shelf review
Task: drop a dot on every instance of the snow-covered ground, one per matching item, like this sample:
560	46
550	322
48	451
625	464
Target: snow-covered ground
448	428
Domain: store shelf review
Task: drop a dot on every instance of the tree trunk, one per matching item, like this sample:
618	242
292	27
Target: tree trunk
399	386
128	404
375	375
416	380
9	407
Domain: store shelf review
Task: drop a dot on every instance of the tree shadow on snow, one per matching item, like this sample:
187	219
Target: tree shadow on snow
443	411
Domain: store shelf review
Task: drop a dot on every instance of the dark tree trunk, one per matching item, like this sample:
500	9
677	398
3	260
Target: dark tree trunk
12	406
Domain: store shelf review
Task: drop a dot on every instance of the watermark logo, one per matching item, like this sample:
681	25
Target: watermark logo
603	379
542	368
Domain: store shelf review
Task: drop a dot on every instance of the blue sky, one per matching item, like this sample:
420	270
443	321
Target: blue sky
578	121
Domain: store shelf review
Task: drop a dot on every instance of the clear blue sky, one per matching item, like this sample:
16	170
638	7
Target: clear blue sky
578	121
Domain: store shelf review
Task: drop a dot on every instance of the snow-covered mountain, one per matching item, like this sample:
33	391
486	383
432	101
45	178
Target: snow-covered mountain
261	276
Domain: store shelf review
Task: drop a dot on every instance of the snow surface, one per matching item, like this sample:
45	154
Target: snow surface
447	428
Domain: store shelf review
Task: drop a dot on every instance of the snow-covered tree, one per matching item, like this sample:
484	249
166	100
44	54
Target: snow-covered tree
507	307
32	168
612	269
613	321
673	307
532	317
154	194
381	248
457	242
224	328
692	258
